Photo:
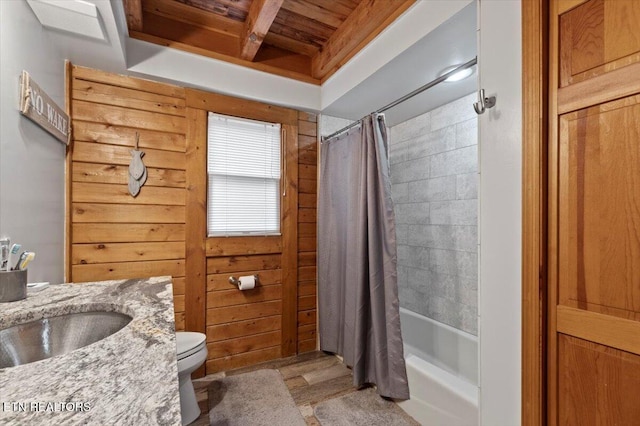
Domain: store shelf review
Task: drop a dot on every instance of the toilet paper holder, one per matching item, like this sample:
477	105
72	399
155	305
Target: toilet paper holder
236	281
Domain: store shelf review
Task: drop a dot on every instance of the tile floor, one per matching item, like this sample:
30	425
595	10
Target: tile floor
312	378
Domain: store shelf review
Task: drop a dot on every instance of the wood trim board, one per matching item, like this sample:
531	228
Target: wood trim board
240	246
254	110
68	161
625	335
552	214
196	221
600	89
290	242
567	5
534	139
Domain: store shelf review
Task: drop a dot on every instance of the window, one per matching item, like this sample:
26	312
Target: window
243	167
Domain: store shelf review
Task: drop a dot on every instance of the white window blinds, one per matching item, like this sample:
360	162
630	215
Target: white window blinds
243	167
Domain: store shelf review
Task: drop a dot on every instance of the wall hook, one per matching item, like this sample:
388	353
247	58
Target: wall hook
484	103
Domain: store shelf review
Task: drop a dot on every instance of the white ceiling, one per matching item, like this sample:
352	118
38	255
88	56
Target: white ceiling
454	42
76	17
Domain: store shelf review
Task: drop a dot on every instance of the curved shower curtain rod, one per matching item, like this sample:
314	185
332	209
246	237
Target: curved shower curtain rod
419	90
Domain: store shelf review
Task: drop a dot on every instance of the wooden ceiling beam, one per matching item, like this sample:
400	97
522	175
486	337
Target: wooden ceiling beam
192	15
366	21
225	8
324	13
291	44
133	13
259	20
202	41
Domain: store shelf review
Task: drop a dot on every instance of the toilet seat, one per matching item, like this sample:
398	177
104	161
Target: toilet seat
191	352
189	343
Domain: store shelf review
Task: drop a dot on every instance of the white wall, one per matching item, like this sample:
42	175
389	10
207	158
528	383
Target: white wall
329	124
157	62
31	161
500	213
84	51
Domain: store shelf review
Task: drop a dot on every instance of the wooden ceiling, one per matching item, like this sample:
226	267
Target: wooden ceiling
307	40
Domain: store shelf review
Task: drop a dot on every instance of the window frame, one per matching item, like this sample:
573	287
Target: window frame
281	180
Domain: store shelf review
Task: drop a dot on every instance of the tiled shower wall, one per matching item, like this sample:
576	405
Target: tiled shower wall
434	173
329	124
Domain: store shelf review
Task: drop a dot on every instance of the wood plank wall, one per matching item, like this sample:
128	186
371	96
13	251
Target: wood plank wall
307	202
114	235
243	327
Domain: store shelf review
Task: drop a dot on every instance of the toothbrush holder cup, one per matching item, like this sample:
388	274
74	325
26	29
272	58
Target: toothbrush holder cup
13	285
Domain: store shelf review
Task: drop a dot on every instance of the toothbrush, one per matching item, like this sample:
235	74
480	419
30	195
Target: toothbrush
14	250
28	258
22	257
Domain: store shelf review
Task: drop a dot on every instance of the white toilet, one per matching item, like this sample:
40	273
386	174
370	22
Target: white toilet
192	352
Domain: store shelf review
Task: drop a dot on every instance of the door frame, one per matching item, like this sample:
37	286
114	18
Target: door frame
535	136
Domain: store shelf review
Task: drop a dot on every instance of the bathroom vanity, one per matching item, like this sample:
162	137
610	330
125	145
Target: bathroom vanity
127	378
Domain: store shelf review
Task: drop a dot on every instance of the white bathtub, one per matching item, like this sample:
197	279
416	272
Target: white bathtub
442	367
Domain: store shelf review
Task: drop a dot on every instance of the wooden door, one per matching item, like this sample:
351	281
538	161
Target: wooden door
594	239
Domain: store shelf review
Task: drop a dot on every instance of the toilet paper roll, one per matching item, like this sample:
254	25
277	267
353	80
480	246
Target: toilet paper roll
247	283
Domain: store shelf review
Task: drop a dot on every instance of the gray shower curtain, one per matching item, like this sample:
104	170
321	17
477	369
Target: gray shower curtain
357	277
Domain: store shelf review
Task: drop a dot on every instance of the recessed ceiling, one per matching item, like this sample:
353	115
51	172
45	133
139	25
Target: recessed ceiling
454	42
71	16
307	40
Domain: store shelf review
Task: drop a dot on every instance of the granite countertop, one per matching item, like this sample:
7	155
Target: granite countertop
128	378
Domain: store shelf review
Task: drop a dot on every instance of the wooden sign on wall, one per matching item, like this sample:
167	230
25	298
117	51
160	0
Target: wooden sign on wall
40	108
